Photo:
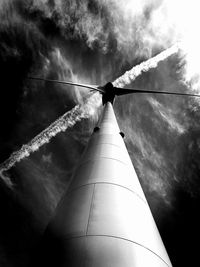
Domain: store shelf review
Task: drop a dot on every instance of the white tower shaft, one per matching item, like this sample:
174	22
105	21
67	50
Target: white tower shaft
104	219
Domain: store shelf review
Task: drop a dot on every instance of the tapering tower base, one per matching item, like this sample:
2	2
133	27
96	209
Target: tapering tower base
104	219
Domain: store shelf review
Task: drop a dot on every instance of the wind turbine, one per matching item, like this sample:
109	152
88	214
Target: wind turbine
104	219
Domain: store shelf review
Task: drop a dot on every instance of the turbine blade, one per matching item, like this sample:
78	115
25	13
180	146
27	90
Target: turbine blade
121	91
93	87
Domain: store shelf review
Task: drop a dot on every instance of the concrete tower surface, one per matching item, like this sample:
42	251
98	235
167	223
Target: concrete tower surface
104	220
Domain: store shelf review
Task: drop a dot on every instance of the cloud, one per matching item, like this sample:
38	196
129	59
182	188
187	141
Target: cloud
126	27
167	116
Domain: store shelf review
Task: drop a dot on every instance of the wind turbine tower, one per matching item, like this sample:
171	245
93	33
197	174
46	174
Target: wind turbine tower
104	220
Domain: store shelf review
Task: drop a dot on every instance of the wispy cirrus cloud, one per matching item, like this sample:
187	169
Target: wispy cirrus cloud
167	116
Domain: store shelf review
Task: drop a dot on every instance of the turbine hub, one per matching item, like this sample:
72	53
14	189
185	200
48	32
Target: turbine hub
109	94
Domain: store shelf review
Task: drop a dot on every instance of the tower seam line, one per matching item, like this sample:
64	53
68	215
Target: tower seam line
121	238
90	209
124	187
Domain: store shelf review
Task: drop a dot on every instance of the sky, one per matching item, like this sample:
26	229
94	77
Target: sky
95	42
